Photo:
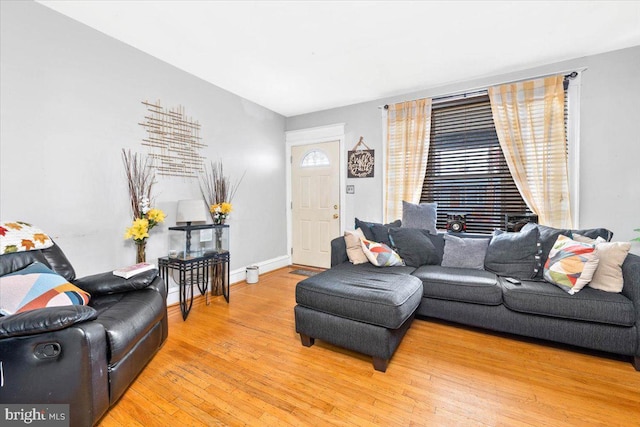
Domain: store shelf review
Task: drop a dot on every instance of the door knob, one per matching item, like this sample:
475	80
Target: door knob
335	216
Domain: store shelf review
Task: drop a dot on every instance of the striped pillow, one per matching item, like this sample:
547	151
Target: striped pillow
571	264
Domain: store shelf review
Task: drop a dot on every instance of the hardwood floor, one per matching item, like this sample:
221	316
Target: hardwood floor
243	364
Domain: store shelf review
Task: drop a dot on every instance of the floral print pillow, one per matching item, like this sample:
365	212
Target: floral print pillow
16	236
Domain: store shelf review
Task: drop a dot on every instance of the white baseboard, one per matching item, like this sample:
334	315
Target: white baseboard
237	275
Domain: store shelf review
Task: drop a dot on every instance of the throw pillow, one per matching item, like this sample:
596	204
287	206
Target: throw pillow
381	234
513	254
366	227
414	247
37	286
571	264
584	239
16	236
354	246
464	252
421	216
380	254
594	233
611	255
548	237
608	276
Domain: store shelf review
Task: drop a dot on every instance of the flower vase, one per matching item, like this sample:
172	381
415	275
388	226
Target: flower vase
141	252
218	240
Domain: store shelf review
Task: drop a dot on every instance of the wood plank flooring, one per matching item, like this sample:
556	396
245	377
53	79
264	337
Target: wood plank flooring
243	364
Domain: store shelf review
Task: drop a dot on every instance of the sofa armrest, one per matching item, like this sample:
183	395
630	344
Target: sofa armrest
631	277
44	320
338	251
631	290
108	283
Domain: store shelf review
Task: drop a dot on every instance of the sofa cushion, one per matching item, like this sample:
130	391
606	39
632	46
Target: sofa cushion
382	297
591	305
370	269
37	286
571	264
464	252
513	254
413	246
459	284
421	216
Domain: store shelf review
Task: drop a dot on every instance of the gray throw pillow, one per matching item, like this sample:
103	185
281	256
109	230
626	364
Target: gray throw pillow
422	216
414	247
548	237
464	252
594	233
381	234
367	227
514	254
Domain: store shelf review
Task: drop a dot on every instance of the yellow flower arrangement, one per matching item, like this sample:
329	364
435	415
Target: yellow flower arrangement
155	216
139	230
220	212
140	179
140	227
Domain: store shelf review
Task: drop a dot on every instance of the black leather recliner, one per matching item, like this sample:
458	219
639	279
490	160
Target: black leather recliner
84	356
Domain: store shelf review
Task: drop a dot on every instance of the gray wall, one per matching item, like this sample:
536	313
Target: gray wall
71	100
609	145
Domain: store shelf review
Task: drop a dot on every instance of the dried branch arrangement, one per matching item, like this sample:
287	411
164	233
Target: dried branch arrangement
140	179
218	189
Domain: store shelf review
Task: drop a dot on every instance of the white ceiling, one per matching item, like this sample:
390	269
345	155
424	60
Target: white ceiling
295	57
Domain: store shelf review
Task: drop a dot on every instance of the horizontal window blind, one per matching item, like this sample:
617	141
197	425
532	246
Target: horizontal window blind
466	170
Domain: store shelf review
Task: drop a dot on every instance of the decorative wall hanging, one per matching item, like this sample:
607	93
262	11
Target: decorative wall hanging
174	141
360	162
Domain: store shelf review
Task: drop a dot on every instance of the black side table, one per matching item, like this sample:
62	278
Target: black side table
198	270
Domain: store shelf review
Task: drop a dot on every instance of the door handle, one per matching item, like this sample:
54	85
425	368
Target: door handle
335	216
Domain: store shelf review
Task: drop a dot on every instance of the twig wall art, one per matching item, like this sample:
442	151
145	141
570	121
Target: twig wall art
173	140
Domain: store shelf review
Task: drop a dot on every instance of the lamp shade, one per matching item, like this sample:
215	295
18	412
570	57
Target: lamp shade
191	211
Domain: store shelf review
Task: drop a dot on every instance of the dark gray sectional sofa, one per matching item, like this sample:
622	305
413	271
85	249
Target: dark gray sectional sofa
368	309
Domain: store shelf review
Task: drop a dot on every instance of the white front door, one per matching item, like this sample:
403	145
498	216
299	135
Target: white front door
315	197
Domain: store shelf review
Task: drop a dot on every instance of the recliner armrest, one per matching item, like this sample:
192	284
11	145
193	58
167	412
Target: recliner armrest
108	283
44	320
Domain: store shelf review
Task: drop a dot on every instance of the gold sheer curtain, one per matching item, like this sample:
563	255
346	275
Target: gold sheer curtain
529	120
408	128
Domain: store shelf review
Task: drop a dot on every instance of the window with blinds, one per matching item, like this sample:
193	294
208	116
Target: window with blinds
466	170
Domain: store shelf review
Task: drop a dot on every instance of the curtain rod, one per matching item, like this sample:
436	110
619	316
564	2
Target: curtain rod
470	93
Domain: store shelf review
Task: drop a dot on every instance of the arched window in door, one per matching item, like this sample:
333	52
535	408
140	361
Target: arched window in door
315	158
